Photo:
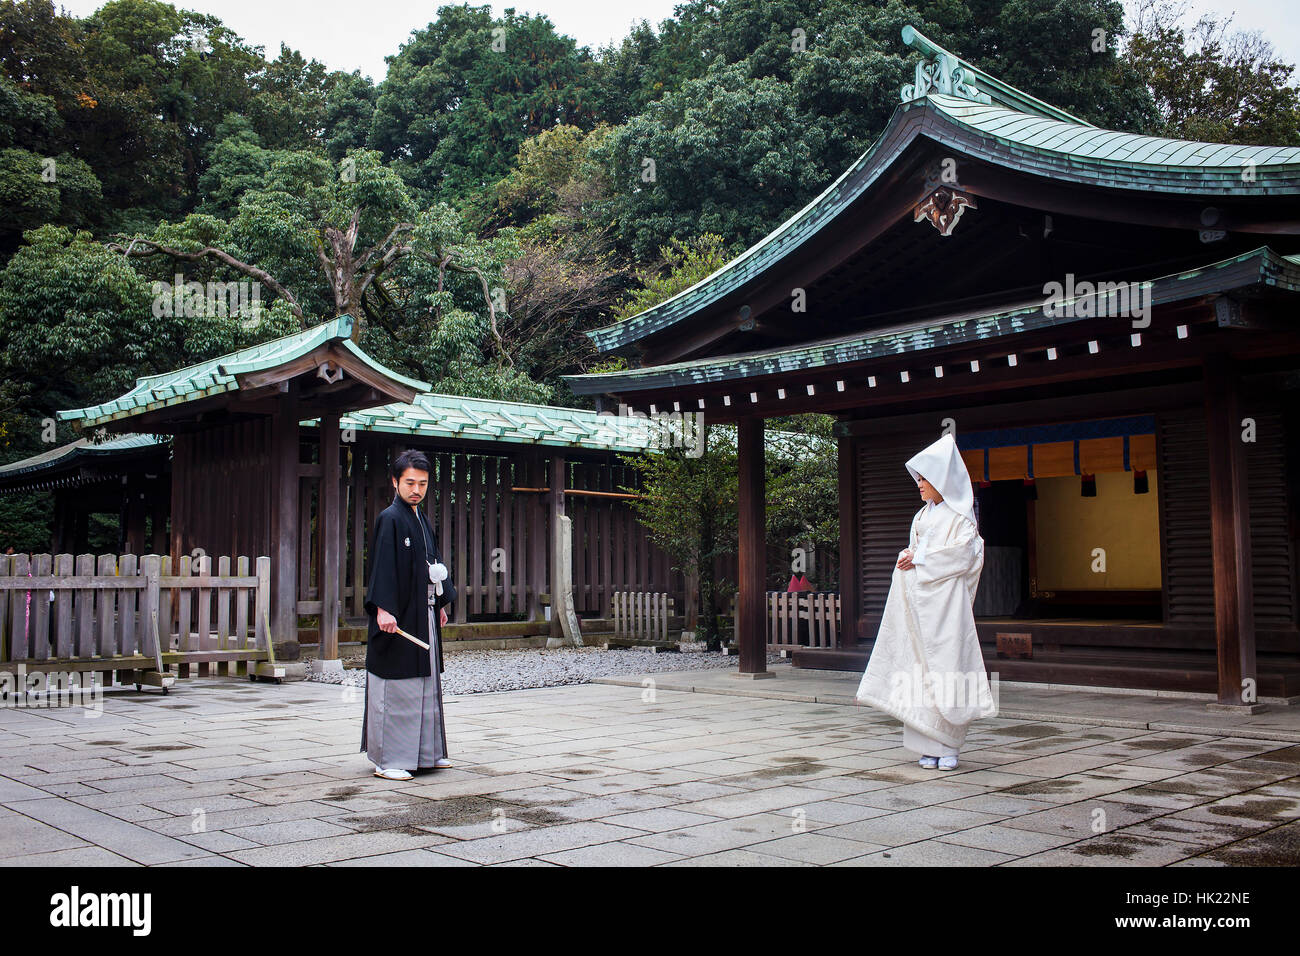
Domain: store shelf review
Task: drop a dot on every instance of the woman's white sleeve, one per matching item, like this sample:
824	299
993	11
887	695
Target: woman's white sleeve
957	557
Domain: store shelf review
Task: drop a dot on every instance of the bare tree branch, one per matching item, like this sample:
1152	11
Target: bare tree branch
143	248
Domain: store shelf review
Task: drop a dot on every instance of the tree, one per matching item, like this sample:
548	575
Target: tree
466	91
75	323
565	278
352	241
1212	85
803	494
688	506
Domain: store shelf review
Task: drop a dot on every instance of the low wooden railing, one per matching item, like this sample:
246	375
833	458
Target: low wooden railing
802	619
641	615
125	615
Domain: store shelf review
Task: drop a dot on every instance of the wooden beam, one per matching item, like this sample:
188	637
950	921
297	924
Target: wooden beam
1159	351
751	617
328	530
1234	620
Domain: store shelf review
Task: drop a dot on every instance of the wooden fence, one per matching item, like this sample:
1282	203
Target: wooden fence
492	528
641	615
802	619
126	614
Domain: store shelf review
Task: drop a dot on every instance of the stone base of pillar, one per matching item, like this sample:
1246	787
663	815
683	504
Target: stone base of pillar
758	676
1243	709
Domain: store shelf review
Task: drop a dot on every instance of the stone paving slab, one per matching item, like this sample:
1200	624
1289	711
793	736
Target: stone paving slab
1153	710
222	774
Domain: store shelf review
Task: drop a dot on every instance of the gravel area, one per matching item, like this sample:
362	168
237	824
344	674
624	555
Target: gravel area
483	672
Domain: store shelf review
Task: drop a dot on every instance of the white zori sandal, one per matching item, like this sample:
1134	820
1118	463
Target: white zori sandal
947	763
393	773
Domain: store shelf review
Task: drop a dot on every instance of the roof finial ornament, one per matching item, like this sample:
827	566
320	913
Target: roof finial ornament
943	73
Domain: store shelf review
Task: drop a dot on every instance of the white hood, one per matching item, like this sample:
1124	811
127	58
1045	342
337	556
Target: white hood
942	466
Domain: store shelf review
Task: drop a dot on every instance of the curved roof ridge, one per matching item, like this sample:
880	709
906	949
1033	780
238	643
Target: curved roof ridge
993	88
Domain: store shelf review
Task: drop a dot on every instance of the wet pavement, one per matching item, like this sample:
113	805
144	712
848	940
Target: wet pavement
722	771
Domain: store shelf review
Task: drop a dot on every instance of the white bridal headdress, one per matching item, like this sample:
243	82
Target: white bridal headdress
942	466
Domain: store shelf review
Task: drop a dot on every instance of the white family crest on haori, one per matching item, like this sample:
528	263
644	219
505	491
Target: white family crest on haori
926	668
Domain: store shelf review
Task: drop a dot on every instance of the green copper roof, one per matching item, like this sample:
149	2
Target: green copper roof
1026	135
219	374
1259	268
83	449
451	416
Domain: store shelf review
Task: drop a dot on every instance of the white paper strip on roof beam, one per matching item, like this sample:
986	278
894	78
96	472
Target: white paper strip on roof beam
780	393
1093	347
1011	360
1136	339
753	398
812	390
726	400
652	408
974	365
677	406
1182	331
938	371
903	376
1051	354
871	381
839	385
701	403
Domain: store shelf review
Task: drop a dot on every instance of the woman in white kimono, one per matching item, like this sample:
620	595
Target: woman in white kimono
926	667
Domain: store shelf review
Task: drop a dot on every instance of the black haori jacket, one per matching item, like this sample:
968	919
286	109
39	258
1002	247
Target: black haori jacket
399	583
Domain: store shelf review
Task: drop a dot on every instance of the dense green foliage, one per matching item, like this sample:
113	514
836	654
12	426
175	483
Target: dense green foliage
579	187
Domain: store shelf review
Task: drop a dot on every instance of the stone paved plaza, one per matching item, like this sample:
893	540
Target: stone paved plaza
224	772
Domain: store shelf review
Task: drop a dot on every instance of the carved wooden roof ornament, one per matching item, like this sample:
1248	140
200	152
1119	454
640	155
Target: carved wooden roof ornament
943	73
943	207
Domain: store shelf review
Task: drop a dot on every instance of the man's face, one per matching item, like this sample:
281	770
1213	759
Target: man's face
412	486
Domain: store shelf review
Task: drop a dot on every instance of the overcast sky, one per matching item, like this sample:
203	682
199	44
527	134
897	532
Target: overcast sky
351	35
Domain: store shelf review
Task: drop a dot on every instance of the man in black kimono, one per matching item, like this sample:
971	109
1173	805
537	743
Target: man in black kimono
403	729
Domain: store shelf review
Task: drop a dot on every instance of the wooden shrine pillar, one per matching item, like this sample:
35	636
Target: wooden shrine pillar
134	506
850	581
61	532
1234	619
751	615
536	536
284	520
158	515
555	507
328	527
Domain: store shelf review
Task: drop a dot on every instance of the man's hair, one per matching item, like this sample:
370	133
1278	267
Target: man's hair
411	458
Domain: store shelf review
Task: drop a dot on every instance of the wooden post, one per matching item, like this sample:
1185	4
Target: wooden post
135	509
751	629
849	578
158	515
555	502
328	535
536	537
1234	619
284	513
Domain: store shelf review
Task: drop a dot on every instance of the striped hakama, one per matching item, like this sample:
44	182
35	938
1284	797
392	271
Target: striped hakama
403	727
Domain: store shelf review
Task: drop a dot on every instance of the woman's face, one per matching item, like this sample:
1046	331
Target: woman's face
928	491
